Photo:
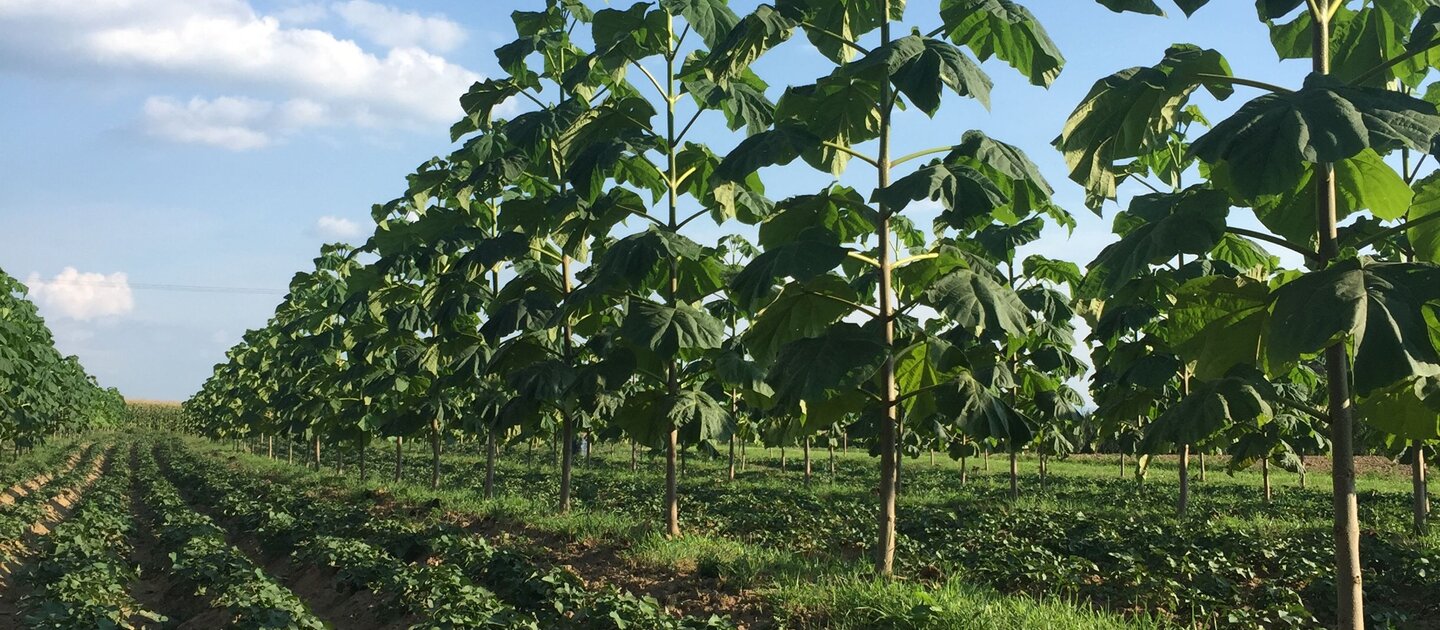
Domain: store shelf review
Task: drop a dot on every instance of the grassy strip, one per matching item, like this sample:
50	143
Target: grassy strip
201	557
83	577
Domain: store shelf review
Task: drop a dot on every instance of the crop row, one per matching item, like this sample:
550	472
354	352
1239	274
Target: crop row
284	514
83	576
18	519
201	557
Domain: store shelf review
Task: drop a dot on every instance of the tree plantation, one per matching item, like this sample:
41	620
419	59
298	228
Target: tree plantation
590	370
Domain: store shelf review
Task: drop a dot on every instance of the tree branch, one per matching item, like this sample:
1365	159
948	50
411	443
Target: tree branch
1274	240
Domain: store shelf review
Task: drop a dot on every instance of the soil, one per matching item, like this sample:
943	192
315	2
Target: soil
314	585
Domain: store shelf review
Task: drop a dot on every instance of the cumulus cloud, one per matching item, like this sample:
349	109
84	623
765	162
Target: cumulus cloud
83	296
234	123
392	27
338	228
229	46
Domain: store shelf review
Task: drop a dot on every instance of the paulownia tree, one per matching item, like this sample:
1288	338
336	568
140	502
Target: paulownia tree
837	249
1302	159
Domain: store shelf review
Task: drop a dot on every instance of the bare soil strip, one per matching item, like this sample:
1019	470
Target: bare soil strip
23	489
314	585
20	552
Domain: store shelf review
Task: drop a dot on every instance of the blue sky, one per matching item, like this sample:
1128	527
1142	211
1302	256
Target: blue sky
155	144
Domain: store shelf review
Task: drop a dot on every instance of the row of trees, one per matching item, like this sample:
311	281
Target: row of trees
545	278
42	392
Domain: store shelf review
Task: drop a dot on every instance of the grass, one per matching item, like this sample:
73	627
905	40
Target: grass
811	566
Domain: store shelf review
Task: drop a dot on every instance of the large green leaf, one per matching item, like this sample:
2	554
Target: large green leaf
712	19
1161	227
1378	309
849	19
812	253
778	146
813	368
838	210
668	330
801	310
1211	407
917	370
1425	237
1267	143
921	67
1004	29
840	109
1409	409
963	191
629	34
756	33
1362	182
1132	112
985	415
1217	322
976	303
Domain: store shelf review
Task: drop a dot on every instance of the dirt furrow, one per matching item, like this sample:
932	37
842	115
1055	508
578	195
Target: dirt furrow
25	488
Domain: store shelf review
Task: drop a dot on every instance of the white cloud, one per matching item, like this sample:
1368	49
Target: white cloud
234	123
392	27
338	228
83	296
226	45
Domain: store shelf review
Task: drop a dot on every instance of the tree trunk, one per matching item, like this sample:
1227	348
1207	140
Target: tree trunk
1422	498
364	448
932	456
1184	504
317	453
1014	476
831	447
567	461
1202	466
290	451
1122	464
964	472
1043	470
490	454
1304	473
672	496
1265	478
890	408
730	474
782	458
399	457
807	462
845	442
1350	602
985	459
435	454
634	457
270	447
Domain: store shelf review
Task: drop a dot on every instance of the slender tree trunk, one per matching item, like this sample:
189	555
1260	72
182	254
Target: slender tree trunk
290	451
831	447
672	496
634	457
490	455
1122	464
1014	475
889	411
1422	497
807	462
985	459
782	459
567	423
435	454
845	442
270	447
1304	472
932	456
964	472
1265	478
1350	602
1202	466
730	474
317	453
1043	471
399	457
1184	504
